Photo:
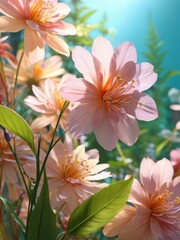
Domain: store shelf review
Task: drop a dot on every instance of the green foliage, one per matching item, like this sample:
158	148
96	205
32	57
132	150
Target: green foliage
11	210
99	209
14	123
42	225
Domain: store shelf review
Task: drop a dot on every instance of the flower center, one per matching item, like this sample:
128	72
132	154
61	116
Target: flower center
58	99
164	203
37	70
43	11
74	169
118	93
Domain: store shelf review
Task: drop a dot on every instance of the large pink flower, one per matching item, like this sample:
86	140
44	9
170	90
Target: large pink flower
72	174
41	21
108	97
156	200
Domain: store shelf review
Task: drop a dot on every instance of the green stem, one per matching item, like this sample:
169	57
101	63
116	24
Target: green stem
21	169
16	78
120	151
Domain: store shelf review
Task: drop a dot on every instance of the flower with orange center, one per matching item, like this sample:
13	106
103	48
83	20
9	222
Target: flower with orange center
71	175
4	51
109	99
41	21
156	211
35	74
48	102
8	166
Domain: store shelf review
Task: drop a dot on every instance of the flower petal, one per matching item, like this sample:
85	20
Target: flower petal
33	45
103	51
125	128
105	134
162	173
57	44
124	53
9	24
84	63
43	121
10	9
145	76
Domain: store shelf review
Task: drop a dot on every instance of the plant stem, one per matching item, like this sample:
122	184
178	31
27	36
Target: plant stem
119	149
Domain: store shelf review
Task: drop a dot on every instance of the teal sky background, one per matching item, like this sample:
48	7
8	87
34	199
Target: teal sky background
129	20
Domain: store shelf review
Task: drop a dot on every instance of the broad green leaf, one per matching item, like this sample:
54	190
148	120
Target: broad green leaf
42	223
10	209
99	209
87	15
14	123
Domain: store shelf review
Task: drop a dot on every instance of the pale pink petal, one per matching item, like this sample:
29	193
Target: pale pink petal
43	120
76	89
175	187
81	120
10	9
103	51
57	44
33	45
178	125
145	76
120	221
64	28
84	63
175	107
155	227
105	135
8	24
137	195
64	10
146	109
146	169
128	70
125	128
35	104
162	173
99	168
125	52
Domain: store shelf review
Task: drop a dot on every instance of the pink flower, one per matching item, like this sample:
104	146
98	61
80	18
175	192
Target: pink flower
71	175
49	103
176	107
9	172
108	98
41	21
175	161
156	200
35	74
4	50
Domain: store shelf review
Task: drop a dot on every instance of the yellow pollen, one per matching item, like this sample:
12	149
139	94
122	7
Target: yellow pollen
37	70
59	100
42	11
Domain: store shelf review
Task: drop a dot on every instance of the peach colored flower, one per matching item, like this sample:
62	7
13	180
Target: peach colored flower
175	161
108	98
71	174
41	21
48	102
8	166
157	206
4	50
35	74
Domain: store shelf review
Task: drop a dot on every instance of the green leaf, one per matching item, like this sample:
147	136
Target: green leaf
14	123
99	209
42	225
10	209
87	15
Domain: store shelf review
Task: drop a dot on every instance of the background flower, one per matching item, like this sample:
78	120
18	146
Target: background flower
41	21
71	175
35	74
4	50
109	99
156	200
49	103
